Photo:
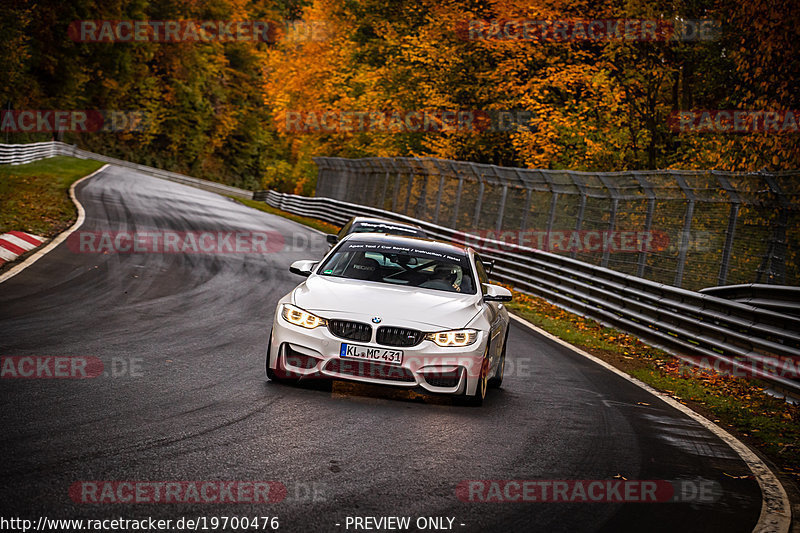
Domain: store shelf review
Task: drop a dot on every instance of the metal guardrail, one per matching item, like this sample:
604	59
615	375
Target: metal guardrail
16	154
780	298
690	325
19	154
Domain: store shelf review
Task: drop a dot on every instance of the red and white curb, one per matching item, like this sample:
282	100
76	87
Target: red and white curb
60	238
16	243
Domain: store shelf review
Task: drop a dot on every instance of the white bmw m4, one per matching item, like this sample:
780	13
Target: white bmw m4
393	310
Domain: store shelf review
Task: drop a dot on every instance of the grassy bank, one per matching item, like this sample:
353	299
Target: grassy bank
35	197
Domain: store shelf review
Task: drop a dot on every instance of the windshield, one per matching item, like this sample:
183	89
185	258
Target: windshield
413	266
385	227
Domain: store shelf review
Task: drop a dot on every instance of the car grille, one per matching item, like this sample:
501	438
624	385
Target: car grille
366	369
390	336
442	379
354	331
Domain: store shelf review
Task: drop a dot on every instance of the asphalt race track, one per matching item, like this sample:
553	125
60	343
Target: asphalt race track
183	397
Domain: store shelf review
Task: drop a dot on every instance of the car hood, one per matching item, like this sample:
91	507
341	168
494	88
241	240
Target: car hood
395	305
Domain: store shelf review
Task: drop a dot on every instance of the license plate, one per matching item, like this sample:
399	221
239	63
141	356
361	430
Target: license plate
379	355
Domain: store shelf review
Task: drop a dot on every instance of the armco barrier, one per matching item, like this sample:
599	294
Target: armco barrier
691	325
15	154
781	298
19	154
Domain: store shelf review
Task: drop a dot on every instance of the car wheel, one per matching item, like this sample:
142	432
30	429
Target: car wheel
497	380
480	391
270	373
276	374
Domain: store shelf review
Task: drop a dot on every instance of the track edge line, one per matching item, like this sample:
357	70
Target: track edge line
776	511
61	237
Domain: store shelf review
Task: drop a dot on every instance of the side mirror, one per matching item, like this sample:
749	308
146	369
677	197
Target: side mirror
496	293
302	268
331	238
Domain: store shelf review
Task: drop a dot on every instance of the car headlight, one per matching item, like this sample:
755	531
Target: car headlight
298	317
458	337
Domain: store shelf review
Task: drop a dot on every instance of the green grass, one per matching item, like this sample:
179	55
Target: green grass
565	330
35	197
306	221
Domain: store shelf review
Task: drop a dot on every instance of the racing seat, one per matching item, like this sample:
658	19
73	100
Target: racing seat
364	268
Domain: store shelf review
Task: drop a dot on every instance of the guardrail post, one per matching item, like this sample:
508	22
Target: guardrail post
612	219
323	176
773	264
551	215
524	219
419	209
528	197
438	199
375	186
724	265
396	186
385	186
371	188
730	233
648	221
460	190
478	205
501	211
578	181
361	175
687	228
408	190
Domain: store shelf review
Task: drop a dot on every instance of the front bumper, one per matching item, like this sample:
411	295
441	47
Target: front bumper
314	353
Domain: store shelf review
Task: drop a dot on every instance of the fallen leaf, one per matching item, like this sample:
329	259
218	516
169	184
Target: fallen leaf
736	477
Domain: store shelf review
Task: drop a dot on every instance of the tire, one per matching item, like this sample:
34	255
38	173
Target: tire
480	391
275	375
271	375
497	380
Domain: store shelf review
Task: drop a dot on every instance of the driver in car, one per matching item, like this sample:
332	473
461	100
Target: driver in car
444	278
